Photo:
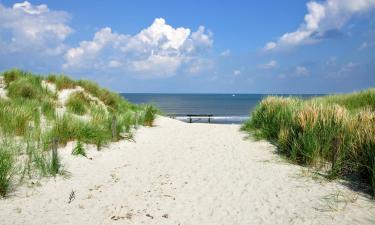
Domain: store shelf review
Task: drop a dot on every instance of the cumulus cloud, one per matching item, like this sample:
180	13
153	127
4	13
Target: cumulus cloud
86	55
323	20
270	65
35	28
30	9
302	71
157	51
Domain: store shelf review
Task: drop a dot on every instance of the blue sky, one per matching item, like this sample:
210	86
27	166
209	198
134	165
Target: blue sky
196	46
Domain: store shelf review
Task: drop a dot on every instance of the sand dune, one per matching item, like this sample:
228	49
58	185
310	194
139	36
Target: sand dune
178	173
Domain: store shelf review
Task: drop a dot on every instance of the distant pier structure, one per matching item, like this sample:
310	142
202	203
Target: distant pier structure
191	116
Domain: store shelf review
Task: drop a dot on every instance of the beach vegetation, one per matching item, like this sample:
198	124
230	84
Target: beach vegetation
7	165
79	149
61	82
78	103
38	122
149	115
333	133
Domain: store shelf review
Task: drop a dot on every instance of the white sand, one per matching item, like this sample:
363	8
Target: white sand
198	174
3	91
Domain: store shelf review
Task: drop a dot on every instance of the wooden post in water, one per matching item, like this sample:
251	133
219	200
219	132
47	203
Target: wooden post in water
114	126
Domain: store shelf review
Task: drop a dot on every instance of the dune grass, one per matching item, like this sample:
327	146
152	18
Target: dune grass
30	116
78	103
17	115
61	82
79	149
7	165
149	115
334	133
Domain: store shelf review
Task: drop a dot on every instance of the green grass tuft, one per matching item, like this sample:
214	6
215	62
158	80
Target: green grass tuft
149	115
79	149
55	163
48	109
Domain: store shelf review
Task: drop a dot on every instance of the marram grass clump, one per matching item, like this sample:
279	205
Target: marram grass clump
35	116
79	149
7	165
335	132
149	115
78	103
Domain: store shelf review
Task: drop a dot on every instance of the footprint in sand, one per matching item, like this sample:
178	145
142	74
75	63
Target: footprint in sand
115	178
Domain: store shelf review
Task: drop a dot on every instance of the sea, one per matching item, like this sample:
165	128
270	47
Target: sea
225	108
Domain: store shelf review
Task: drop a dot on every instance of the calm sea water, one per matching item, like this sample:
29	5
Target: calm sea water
226	108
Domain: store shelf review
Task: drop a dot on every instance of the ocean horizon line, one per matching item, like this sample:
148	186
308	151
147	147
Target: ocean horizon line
229	93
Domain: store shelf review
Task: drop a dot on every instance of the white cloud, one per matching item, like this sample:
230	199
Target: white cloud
198	65
225	53
270	45
270	65
33	28
157	51
159	64
345	70
86	55
302	71
30	9
323	20
236	72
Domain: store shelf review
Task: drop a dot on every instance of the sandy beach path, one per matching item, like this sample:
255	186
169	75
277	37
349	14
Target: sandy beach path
187	174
